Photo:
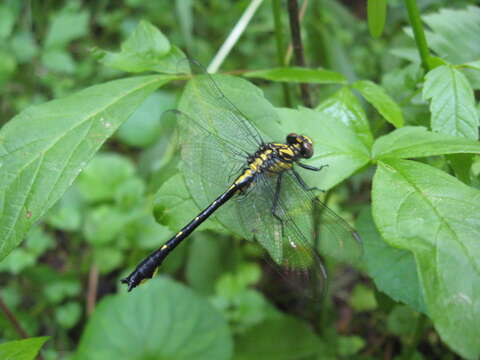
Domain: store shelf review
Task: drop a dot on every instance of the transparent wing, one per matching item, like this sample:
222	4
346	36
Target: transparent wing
289	246
204	101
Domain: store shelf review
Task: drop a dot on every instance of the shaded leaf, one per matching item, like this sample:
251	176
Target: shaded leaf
430	213
393	270
69	24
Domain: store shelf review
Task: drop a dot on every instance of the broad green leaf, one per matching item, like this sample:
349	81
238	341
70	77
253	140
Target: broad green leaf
421	209
26	349
393	270
69	24
45	147
376	12
159	320
274	340
416	141
345	107
452	103
105	223
102	177
300	75
335	145
379	98
8	65
147	49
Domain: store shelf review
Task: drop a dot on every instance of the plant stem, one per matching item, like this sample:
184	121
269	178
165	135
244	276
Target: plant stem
277	19
234	35
13	320
417	336
298	47
419	33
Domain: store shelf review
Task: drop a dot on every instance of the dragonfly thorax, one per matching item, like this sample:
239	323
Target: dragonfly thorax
274	158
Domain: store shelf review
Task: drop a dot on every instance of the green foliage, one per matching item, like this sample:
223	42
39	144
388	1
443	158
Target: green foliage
184	325
26	349
89	209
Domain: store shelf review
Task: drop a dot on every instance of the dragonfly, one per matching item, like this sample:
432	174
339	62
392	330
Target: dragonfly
251	184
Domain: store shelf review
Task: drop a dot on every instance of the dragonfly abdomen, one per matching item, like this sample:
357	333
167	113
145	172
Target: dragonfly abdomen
146	268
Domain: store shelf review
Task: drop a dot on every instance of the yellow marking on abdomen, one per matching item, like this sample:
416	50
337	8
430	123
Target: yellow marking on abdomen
179	233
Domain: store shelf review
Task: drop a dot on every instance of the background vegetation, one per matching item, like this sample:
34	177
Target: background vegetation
395	92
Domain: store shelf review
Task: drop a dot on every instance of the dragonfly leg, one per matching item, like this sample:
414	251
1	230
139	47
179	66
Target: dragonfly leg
276	198
312	168
302	183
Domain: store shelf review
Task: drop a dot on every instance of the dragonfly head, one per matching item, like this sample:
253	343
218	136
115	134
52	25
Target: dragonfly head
303	144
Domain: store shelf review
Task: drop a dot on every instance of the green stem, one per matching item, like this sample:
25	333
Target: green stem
417	337
420	39
277	19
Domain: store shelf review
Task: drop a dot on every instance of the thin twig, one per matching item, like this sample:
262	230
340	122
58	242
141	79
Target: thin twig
298	47
13	320
92	288
234	35
303	10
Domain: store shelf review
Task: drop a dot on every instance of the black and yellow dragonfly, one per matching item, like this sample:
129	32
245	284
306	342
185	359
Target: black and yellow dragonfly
225	156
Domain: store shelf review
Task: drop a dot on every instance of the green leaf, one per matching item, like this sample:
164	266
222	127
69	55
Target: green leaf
107	258
344	106
456	41
349	345
7	22
335	144
45	147
256	343
147	49
68	315
24	46
452	102
416	141
104	175
473	65
206	260
430	213
105	223
379	98
160	320
174	206
58	60
402	320
8	65
299	75
69	24
363	298
26	349
144	126
57	291
67	213
393	270
376	12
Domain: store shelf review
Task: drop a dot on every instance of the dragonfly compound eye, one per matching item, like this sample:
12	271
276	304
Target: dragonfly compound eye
307	148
